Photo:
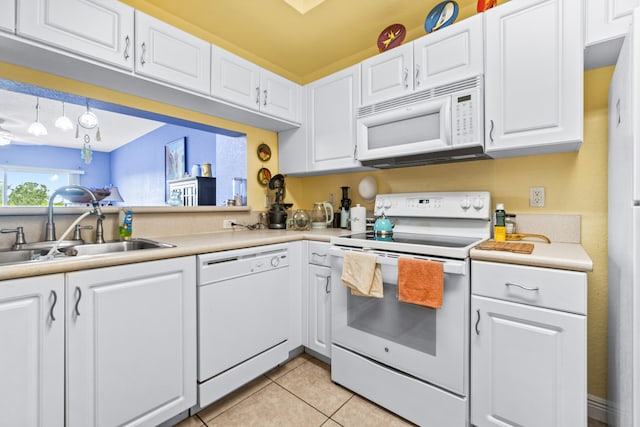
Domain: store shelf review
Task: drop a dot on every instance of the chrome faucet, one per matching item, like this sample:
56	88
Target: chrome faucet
50	229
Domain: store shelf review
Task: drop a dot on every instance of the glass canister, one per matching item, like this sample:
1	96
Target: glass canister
240	191
510	223
301	220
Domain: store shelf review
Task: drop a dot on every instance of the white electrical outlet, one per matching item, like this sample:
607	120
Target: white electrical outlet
228	223
536	197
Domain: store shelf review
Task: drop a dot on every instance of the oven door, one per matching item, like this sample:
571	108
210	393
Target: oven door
430	344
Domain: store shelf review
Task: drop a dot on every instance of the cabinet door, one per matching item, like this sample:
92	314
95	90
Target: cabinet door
387	75
319	335
131	343
607	19
99	29
332	102
533	91
279	96
171	55
528	365
32	355
234	79
8	16
451	54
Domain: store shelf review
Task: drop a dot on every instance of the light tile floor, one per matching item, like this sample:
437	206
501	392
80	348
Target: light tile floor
299	393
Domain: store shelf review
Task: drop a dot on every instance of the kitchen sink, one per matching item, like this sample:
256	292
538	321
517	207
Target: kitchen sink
13	257
114	247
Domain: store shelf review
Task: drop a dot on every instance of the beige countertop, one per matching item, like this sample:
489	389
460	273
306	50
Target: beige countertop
185	246
565	256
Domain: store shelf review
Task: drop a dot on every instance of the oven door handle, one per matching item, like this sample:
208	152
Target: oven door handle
449	267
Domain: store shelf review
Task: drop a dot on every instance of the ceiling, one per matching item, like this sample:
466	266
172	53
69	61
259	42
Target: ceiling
330	36
18	111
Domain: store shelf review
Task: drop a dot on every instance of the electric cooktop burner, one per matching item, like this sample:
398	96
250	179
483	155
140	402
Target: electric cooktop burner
417	239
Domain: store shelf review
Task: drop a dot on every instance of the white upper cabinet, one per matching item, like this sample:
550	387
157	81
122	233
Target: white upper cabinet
326	142
280	97
234	79
8	16
453	53
32	356
171	55
606	23
533	78
444	56
244	83
387	75
98	29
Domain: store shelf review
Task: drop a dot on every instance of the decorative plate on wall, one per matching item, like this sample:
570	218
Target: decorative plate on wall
264	152
391	37
264	176
486	4
441	15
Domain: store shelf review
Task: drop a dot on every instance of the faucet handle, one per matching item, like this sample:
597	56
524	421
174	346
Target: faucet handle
99	231
20	240
79	228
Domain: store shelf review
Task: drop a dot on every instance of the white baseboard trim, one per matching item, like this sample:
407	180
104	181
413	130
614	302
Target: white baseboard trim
597	408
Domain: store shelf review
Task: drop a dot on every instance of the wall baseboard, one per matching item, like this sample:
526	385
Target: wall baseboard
597	408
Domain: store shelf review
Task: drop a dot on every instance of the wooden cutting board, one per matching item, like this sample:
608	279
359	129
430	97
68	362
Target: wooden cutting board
492	245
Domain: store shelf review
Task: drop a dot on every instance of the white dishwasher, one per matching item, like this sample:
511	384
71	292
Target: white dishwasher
243	306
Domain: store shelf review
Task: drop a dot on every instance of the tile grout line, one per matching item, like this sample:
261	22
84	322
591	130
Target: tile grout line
303	401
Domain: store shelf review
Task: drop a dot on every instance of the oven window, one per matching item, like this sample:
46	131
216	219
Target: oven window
411	325
425	127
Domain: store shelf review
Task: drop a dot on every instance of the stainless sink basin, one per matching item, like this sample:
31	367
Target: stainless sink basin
114	247
13	257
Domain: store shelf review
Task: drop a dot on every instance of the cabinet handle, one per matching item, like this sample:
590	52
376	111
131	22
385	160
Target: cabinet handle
418	75
406	78
265	97
79	291
526	288
258	95
144	51
355	152
53	305
127	43
491	131
619	113
318	254
477	322
327	288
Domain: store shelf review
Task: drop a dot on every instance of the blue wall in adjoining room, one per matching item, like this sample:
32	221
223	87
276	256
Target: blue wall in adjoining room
137	169
97	173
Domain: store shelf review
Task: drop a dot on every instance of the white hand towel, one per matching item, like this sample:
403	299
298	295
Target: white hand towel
362	274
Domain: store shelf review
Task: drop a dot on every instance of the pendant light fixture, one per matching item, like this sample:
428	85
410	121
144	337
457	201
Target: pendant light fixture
63	122
36	128
88	120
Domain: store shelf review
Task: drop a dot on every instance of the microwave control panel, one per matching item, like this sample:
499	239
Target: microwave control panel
466	117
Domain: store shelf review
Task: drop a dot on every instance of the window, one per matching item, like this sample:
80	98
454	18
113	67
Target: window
31	186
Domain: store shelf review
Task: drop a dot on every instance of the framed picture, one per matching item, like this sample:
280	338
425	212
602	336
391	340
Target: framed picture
174	163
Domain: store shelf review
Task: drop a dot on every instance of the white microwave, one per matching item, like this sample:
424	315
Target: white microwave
442	124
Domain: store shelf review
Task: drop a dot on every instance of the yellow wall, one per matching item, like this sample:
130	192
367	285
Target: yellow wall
255	136
575	183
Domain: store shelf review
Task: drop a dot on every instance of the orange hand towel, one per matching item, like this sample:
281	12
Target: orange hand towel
420	282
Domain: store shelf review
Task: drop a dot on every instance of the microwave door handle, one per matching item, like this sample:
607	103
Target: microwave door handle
446	120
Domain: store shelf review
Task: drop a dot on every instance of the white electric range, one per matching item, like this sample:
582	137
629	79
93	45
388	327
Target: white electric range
411	359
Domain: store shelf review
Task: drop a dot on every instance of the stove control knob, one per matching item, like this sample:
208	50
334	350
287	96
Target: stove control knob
378	203
387	203
478	203
465	204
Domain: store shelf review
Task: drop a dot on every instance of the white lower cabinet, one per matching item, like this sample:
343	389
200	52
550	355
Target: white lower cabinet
131	343
8	16
32	355
319	299
528	346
